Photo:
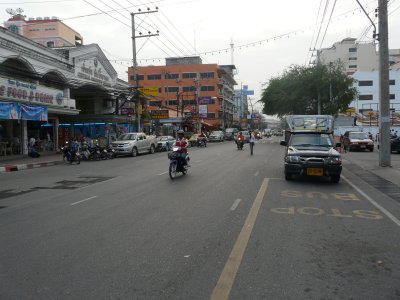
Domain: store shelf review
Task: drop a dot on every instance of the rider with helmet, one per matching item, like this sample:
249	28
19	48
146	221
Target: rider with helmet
182	143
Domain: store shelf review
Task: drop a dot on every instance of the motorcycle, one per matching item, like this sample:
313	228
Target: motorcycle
178	162
111	152
201	143
240	143
70	154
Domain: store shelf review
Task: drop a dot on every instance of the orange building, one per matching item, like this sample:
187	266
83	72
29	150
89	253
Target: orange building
50	32
183	81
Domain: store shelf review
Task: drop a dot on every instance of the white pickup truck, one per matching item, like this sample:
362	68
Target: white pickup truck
134	143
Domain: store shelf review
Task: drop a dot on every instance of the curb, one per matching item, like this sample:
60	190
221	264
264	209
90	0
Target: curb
19	167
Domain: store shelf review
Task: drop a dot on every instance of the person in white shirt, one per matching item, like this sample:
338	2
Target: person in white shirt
252	141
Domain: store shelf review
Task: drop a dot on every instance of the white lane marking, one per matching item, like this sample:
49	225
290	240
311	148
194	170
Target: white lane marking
235	204
383	210
84	200
163	173
97	183
256	173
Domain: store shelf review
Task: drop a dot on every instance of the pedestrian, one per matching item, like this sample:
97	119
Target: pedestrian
252	140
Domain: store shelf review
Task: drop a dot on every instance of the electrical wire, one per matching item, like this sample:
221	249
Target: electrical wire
327	25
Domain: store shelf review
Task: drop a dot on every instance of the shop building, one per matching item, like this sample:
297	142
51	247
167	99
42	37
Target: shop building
43	90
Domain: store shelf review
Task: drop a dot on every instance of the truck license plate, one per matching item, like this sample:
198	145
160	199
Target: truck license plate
315	171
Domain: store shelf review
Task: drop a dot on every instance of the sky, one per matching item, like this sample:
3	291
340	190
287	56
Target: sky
268	36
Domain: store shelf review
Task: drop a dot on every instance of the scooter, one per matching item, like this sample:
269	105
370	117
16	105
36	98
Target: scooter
70	154
178	162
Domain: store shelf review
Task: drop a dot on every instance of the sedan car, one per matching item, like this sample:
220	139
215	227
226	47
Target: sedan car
357	140
216	136
165	142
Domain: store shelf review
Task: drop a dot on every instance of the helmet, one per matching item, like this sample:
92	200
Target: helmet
181	132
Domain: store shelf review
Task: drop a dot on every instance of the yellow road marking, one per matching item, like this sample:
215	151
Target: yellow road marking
225	282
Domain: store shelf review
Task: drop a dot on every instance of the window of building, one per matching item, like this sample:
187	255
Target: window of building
352	58
140	77
392	96
173	102
207	88
159	90
189	88
155	103
189	102
172	89
365	83
353	66
392	82
171	76
154	77
50	44
13	28
210	115
352	49
365	97
207	75
189	75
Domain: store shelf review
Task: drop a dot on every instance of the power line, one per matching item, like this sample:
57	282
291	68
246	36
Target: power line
327	25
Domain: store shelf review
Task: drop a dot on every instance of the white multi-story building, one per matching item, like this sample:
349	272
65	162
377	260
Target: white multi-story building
355	56
367	83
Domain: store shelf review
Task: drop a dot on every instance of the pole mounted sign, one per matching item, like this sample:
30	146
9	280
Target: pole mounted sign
159	114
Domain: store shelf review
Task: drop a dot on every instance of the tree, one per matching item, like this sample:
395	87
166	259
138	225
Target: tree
297	91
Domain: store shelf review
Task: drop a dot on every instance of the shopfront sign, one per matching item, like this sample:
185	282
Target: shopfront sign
159	114
15	90
93	71
149	91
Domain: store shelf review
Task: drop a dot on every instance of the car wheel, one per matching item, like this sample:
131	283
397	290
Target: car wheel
134	152
335	178
288	176
372	149
152	149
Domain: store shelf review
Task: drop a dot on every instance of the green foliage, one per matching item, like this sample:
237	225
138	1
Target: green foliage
298	89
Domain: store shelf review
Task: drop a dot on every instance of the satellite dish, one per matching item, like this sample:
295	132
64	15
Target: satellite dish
11	11
19	10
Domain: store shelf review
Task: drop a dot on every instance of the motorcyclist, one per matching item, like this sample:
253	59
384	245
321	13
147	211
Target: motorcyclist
239	140
182	143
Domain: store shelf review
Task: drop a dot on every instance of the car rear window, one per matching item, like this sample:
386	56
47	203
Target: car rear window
358	135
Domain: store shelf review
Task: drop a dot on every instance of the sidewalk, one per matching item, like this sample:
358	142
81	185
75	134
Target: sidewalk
22	162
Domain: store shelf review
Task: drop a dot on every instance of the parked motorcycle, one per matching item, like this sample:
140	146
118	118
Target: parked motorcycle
70	154
178	162
111	152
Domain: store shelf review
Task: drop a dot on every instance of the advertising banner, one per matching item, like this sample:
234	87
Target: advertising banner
9	110
203	110
149	91
34	112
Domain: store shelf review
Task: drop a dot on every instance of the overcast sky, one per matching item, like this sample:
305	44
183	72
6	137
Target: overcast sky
268	35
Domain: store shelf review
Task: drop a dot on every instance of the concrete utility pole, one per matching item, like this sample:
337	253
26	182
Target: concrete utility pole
384	102
134	62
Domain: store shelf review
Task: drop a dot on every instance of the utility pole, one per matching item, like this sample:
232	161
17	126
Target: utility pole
319	92
384	102
134	61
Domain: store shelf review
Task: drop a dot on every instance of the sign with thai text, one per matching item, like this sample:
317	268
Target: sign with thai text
159	114
92	70
149	91
15	90
34	112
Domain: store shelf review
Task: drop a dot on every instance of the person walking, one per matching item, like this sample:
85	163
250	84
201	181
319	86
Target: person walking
252	140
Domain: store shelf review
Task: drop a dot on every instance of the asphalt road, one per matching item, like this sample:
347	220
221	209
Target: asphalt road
232	228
